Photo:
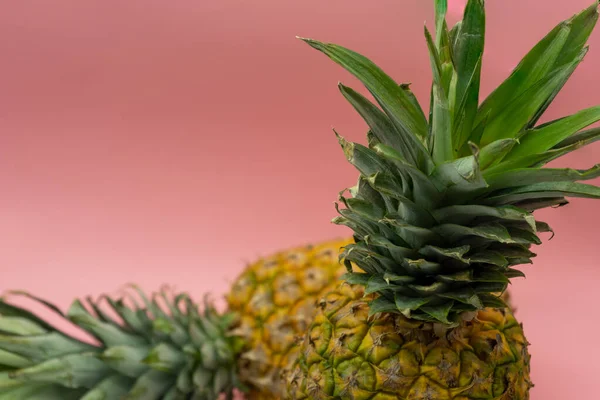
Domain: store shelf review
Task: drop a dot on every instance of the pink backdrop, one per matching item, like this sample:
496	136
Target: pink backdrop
174	141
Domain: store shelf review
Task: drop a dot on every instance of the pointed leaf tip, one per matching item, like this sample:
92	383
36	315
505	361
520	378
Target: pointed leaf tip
312	43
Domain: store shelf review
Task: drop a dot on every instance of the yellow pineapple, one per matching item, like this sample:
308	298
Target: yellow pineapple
348	354
275	300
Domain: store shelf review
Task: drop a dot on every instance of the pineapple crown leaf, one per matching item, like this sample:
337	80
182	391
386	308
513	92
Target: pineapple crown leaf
165	345
442	210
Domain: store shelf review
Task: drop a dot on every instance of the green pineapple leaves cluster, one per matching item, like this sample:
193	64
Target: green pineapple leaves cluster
144	353
442	212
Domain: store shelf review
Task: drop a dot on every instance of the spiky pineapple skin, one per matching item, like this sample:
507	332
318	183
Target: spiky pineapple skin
348	355
275	299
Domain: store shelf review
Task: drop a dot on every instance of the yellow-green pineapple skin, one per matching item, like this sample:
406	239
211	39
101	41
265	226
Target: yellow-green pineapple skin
275	300
347	355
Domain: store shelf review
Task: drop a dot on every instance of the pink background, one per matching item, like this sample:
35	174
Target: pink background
173	141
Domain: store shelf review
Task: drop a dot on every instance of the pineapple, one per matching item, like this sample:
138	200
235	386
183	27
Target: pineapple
349	354
442	215
165	349
275	300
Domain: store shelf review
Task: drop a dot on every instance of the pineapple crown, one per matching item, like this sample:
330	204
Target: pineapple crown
442	212
146	352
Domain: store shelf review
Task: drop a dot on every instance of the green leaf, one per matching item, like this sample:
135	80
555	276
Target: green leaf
436	64
164	357
465	295
406	304
475	136
469	45
415	236
468	53
489	300
363	208
582	26
489	287
102	315
136	320
37	391
20	326
441	125
438	253
429	289
387	184
113	387
441	8
366	262
578	141
463	113
531	160
495	152
454	35
9	310
71	371
151	386
371	139
11	360
457	277
490	276
465	214
151	305
490	257
513	273
440	312
366	161
376	284
544	138
221	381
536	204
549	54
529	176
400	279
448	85
398	253
40	347
421	267
381	305
493	232
581	138
534	67
107	333
512	251
459	176
127	360
441	122
363	190
43	302
356	278
415	103
394	101
391	154
379	123
510	122
524	236
359	225
545	190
